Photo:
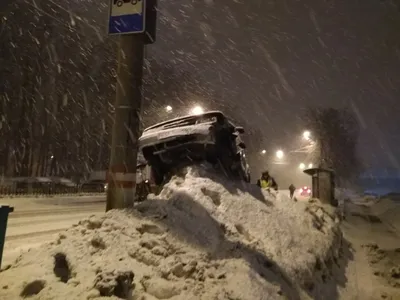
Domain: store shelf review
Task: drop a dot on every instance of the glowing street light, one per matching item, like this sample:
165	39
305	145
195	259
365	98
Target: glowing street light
279	154
310	166
263	151
302	166
168	108
197	110
307	135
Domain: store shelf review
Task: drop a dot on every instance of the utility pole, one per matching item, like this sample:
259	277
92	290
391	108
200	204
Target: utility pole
126	129
135	24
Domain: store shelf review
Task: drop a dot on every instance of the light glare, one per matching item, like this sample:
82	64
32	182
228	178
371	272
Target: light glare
197	110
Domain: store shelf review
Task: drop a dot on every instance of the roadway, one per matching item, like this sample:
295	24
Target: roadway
37	220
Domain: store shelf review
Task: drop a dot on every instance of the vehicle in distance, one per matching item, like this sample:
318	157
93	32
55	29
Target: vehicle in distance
94	186
305	191
192	139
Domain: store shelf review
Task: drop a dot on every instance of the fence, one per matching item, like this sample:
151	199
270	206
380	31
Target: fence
15	190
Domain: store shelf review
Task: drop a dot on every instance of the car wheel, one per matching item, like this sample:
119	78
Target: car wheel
157	174
143	190
157	168
243	175
212	158
248	177
242	168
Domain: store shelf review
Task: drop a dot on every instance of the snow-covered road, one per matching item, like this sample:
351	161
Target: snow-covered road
36	220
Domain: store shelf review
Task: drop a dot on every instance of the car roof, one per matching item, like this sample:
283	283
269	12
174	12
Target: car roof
207	113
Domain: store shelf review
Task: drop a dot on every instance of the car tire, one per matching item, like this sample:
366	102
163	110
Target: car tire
157	173
143	190
156	166
241	170
211	157
243	175
247	178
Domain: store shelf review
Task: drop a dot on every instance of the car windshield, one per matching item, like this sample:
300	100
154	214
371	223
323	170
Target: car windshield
188	120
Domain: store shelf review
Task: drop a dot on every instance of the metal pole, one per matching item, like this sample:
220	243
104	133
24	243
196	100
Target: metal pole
126	129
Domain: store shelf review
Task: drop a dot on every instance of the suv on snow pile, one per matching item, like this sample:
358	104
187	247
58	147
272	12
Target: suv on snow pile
186	140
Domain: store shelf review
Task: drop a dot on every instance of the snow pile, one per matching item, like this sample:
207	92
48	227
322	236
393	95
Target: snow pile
201	238
350	195
388	211
343	193
385	263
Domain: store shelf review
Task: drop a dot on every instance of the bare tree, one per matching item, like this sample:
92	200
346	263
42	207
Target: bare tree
335	133
58	88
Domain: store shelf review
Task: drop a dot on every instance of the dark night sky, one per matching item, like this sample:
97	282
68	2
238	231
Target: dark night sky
263	62
267	60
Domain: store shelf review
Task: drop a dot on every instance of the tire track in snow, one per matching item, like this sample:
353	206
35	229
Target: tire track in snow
20	222
57	211
34	234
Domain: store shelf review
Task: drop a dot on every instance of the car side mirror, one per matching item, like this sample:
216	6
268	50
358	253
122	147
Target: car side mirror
240	129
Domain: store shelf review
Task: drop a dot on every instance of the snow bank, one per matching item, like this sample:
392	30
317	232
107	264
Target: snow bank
388	211
383	209
201	238
350	195
386	265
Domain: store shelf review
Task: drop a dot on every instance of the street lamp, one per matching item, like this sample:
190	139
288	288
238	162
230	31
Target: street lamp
310	166
197	110
302	166
168	108
279	154
307	135
263	151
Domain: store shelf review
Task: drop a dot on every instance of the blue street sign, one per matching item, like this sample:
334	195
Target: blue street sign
126	16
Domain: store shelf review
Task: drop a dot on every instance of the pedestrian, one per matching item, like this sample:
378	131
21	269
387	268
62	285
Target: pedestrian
266	181
292	188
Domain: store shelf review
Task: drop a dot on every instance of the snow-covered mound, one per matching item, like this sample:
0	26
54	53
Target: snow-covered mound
388	210
202	237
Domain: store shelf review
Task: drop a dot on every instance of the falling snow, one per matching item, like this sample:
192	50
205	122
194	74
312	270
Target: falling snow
260	62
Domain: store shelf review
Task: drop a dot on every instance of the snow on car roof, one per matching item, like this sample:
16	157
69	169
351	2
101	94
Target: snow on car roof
188	117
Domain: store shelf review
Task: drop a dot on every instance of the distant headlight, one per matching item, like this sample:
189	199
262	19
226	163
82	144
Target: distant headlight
146	181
